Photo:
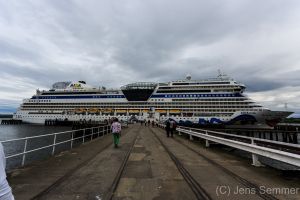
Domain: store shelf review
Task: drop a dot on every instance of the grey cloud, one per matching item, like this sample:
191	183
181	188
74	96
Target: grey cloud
112	43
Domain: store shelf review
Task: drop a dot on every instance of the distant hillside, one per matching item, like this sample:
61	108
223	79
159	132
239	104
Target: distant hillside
6	116
291	120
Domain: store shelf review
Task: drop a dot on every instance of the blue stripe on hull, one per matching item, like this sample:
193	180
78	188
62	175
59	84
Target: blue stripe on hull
153	96
194	95
80	97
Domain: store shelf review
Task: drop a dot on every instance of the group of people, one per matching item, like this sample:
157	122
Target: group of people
170	127
116	129
148	123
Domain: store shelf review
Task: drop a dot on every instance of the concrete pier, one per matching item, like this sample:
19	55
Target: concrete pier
11	121
94	171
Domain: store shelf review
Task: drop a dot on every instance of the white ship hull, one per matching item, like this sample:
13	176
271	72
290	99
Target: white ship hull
257	119
212	101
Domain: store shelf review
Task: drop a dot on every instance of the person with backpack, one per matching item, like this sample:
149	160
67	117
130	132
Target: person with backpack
116	131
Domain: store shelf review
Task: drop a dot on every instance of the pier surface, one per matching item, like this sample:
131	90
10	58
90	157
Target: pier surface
148	165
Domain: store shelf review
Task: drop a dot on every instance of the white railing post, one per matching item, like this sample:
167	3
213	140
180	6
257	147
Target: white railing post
24	153
83	137
179	133
206	141
255	161
191	137
54	142
98	131
92	134
72	138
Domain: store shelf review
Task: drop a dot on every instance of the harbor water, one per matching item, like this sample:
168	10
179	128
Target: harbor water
8	132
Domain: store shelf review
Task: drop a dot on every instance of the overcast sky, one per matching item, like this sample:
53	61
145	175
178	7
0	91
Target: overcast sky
115	42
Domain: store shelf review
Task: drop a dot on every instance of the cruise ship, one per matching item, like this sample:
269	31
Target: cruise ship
219	100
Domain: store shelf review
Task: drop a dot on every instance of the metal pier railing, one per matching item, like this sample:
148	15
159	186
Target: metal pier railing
69	137
280	151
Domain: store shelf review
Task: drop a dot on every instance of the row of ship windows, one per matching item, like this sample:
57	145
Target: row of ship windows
205	100
135	106
190	99
198	86
123	116
186	110
148	103
143	106
199	95
73	97
38	101
41	98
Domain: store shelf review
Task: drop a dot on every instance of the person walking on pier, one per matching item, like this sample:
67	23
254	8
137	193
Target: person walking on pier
5	190
116	131
168	128
172	127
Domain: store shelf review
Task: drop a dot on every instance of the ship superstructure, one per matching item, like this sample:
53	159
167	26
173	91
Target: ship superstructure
218	100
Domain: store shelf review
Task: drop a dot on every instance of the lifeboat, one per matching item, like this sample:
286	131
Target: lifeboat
107	110
93	110
121	111
174	111
134	111
160	111
80	110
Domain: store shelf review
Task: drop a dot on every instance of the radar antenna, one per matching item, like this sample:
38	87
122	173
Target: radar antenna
285	106
188	77
221	75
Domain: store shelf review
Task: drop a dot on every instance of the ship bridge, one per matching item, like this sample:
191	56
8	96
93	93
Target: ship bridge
139	91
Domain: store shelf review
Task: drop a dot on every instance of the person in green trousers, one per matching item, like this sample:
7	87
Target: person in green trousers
116	131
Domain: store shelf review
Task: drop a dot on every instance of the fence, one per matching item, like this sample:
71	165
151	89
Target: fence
280	151
49	142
